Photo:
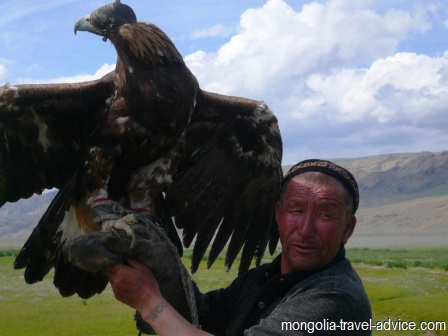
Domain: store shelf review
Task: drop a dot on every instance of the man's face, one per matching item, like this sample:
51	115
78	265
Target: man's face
313	223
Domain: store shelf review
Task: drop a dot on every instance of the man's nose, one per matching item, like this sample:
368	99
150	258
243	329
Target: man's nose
307	225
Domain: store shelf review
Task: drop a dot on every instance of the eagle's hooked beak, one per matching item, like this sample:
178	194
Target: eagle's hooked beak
85	24
103	20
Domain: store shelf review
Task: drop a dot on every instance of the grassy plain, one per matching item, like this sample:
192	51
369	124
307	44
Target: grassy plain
403	284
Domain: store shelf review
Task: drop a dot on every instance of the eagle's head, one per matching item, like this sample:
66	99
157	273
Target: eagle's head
104	19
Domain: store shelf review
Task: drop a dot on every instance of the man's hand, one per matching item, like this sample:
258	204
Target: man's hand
134	284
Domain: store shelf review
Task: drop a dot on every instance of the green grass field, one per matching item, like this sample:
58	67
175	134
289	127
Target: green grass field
403	284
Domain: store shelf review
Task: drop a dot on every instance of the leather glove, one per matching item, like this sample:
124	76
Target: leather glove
137	235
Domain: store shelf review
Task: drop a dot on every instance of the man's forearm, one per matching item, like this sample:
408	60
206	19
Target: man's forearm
165	320
135	285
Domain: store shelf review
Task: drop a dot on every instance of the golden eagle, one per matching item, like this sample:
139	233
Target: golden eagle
147	136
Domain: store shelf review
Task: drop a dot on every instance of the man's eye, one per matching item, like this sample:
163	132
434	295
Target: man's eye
326	215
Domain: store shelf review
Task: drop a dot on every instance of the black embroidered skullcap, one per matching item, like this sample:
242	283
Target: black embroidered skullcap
328	168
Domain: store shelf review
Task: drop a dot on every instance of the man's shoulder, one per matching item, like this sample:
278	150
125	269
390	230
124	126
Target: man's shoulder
341	276
340	287
339	280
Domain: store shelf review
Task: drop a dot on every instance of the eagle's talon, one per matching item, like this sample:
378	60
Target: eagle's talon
133	241
114	231
122	224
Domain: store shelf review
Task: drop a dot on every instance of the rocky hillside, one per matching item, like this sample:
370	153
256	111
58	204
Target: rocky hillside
20	218
400	194
392	178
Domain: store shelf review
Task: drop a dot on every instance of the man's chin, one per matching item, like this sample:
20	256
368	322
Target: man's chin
304	259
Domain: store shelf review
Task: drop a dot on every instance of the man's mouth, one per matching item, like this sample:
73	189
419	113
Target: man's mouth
306	247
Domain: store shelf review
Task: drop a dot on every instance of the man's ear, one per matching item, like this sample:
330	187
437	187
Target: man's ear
278	207
351	224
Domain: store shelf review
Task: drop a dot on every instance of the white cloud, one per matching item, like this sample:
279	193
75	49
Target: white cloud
278	43
103	70
405	88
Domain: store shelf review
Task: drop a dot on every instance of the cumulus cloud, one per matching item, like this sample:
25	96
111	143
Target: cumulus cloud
404	88
332	74
103	70
277	42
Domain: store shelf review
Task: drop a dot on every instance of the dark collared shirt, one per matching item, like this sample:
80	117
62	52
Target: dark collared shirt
261	299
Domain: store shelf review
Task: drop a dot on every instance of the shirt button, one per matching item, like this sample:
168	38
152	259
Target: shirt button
261	305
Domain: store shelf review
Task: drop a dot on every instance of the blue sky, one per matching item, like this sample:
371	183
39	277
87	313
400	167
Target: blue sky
346	78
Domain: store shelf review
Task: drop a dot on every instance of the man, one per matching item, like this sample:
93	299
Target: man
310	288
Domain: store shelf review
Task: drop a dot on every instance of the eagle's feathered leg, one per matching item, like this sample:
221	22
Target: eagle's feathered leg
98	171
158	175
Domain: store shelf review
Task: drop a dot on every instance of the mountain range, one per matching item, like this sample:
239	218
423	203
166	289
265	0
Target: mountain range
401	194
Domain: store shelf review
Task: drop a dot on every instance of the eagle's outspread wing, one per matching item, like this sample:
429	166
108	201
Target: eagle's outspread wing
147	136
42	127
228	182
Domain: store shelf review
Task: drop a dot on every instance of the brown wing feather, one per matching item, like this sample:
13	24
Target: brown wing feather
229	179
41	127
